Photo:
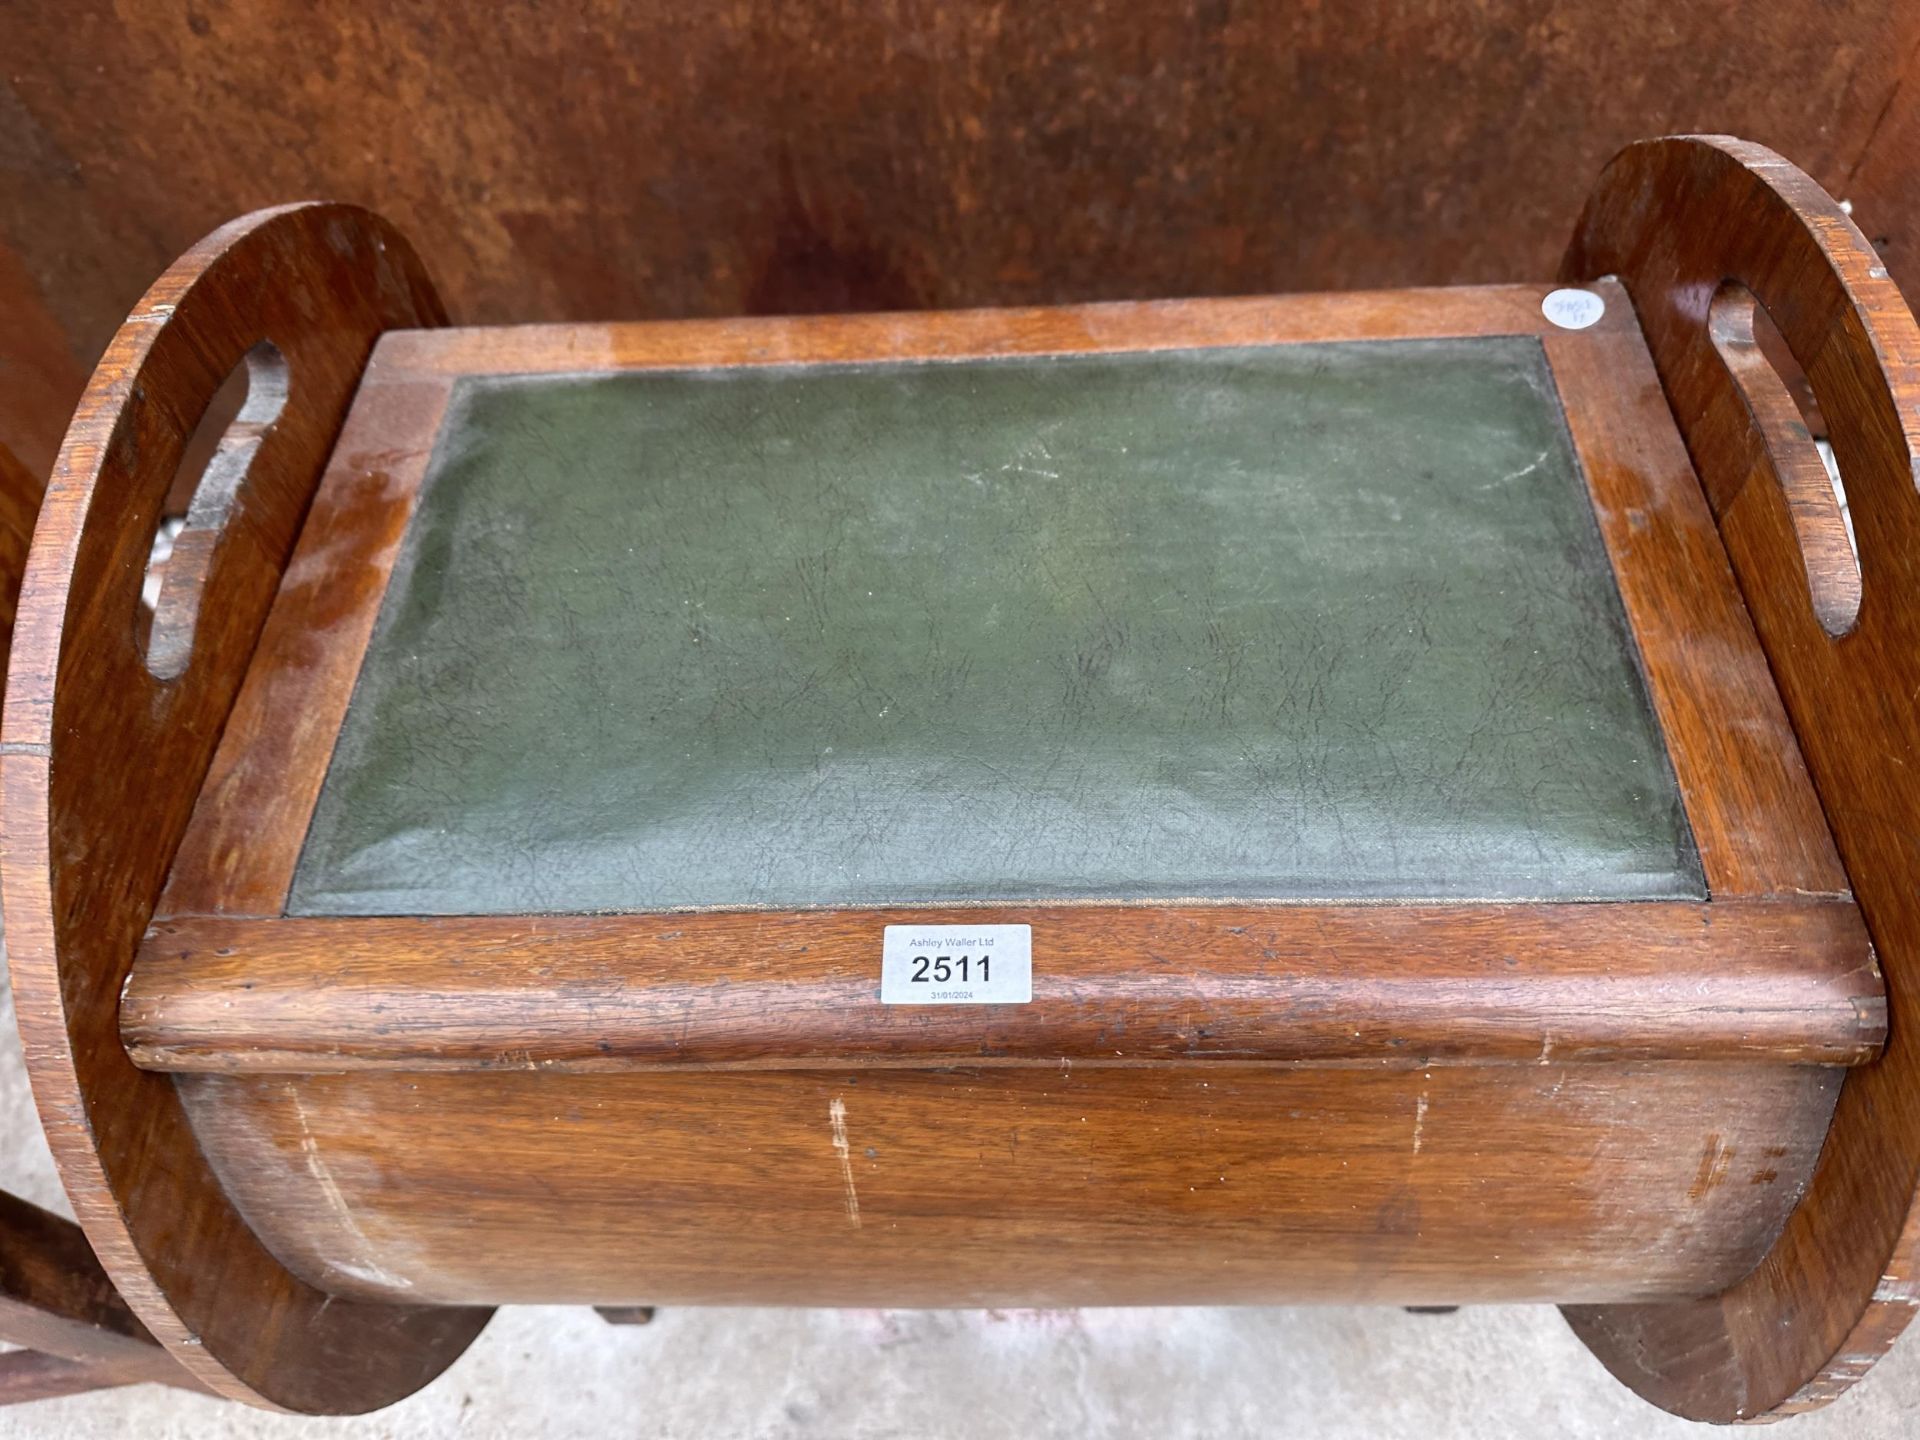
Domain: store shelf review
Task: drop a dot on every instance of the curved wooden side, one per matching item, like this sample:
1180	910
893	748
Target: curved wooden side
101	761
1679	220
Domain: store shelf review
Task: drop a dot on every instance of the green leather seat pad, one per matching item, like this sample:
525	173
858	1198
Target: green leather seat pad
1311	621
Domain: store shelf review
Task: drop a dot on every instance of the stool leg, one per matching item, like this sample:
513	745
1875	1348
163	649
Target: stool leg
58	1303
625	1314
34	1375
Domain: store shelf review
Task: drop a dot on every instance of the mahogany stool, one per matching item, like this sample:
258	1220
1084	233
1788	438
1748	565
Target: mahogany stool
1402	797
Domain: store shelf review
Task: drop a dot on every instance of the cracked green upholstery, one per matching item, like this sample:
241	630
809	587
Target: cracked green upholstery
1313	621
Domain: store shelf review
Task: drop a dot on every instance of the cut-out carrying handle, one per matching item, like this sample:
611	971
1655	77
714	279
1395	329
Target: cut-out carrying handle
1699	229
233	301
107	739
1826	549
183	580
1721	225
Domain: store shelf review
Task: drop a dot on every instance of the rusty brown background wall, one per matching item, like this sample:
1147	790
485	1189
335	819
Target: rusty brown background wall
598	160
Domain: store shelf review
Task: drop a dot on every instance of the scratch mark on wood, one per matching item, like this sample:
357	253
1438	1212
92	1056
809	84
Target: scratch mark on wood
1715	1161
837	1120
366	1268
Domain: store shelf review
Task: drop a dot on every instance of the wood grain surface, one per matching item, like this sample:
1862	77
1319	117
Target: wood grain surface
1754	814
20	492
605	161
1747	795
1677	220
815	1157
1055	1186
100	762
57	1301
35	1375
1391	985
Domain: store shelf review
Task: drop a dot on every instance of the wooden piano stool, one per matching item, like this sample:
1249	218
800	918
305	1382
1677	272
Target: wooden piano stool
1401	797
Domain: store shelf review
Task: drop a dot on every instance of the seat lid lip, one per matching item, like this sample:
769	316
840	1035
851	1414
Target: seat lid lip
1405	985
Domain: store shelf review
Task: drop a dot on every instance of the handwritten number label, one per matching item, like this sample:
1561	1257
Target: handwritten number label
1573	309
956	965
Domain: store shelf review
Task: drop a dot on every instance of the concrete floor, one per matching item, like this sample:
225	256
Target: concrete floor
864	1375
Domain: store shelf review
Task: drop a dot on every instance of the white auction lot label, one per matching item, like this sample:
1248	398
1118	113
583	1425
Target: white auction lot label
1573	309
956	965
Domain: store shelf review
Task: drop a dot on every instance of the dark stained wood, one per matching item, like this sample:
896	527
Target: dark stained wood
1675	219
846	156
1819	525
20	493
43	372
1883	184
754	1133
1747	796
1044	1186
332	996
964	334
34	1375
625	1314
212	505
1395	985
100	762
55	1299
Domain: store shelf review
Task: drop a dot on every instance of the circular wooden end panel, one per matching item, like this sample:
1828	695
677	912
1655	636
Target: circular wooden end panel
106	744
1702	230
